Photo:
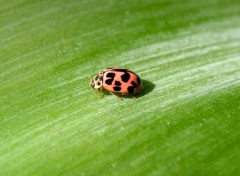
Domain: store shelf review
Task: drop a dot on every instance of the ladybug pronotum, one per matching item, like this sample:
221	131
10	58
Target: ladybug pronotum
117	81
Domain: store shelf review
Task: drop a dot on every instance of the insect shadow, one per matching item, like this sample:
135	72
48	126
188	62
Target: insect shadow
148	87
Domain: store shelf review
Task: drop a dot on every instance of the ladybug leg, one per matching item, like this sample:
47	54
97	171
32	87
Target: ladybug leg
119	98
101	93
133	97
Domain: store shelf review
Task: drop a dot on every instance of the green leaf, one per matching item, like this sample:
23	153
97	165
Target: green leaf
185	122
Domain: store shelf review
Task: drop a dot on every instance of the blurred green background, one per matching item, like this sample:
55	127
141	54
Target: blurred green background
186	122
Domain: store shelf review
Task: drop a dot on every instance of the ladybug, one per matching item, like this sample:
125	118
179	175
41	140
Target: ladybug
117	81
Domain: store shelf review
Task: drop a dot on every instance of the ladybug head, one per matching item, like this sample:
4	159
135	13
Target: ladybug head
96	81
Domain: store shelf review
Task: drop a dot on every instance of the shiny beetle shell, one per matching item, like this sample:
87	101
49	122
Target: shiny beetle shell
117	80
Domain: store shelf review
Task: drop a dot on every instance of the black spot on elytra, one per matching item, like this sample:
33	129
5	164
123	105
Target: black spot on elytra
131	88
111	76
125	77
109	81
134	84
118	83
116	88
